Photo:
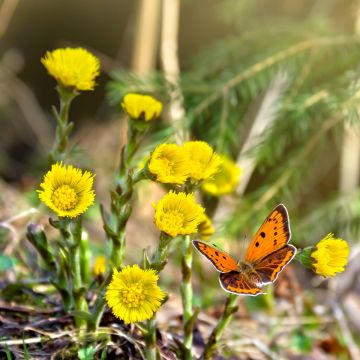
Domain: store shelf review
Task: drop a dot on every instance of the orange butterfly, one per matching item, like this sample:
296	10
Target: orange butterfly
265	257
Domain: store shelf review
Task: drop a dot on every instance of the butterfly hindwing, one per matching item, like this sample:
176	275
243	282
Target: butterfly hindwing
272	235
222	261
269	268
236	283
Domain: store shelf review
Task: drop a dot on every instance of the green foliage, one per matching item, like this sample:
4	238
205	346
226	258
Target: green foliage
86	353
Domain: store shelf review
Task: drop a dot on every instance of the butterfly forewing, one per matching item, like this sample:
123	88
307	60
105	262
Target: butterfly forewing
222	261
236	283
269	268
272	235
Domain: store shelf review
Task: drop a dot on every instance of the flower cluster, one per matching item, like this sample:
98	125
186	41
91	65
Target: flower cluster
225	180
178	214
141	107
133	294
67	190
72	68
330	256
327	258
194	160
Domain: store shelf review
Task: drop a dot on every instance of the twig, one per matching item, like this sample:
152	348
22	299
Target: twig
269	62
38	339
170	64
7	10
28	104
144	54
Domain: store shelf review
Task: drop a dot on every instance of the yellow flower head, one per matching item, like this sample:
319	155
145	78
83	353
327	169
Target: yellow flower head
169	163
73	68
203	162
178	214
133	294
331	256
99	268
141	107
67	190
225	180
206	228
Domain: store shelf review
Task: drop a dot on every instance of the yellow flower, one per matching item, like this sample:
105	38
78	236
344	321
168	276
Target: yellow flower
169	163
99	268
225	180
133	294
178	214
67	190
203	162
331	256
206	228
141	107
74	68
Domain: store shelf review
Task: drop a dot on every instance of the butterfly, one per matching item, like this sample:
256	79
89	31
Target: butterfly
268	253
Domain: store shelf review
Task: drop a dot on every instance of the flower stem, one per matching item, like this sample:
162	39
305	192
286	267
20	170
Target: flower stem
121	209
187	295
150	340
78	290
213	341
99	306
63	129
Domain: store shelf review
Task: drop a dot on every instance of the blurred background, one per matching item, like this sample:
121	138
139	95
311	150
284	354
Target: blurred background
272	84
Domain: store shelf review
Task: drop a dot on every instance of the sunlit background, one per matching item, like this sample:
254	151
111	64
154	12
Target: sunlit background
272	84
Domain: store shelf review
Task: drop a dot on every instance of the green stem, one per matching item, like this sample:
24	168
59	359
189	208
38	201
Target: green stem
99	305
121	208
63	129
213	341
85	258
159	258
150	340
187	296
78	290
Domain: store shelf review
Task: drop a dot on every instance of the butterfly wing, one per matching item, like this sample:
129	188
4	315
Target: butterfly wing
272	235
222	261
236	283
269	268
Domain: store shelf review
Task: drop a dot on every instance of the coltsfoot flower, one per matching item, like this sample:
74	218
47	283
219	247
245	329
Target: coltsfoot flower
178	214
141	107
67	190
330	256
169	163
99	268
133	294
203	162
225	180
206	228
72	67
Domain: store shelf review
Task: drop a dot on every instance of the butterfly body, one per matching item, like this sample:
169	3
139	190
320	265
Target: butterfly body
266	256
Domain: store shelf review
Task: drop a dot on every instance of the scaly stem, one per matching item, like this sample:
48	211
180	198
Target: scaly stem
120	210
99	306
213	341
187	295
78	290
157	262
85	258
150	340
63	129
